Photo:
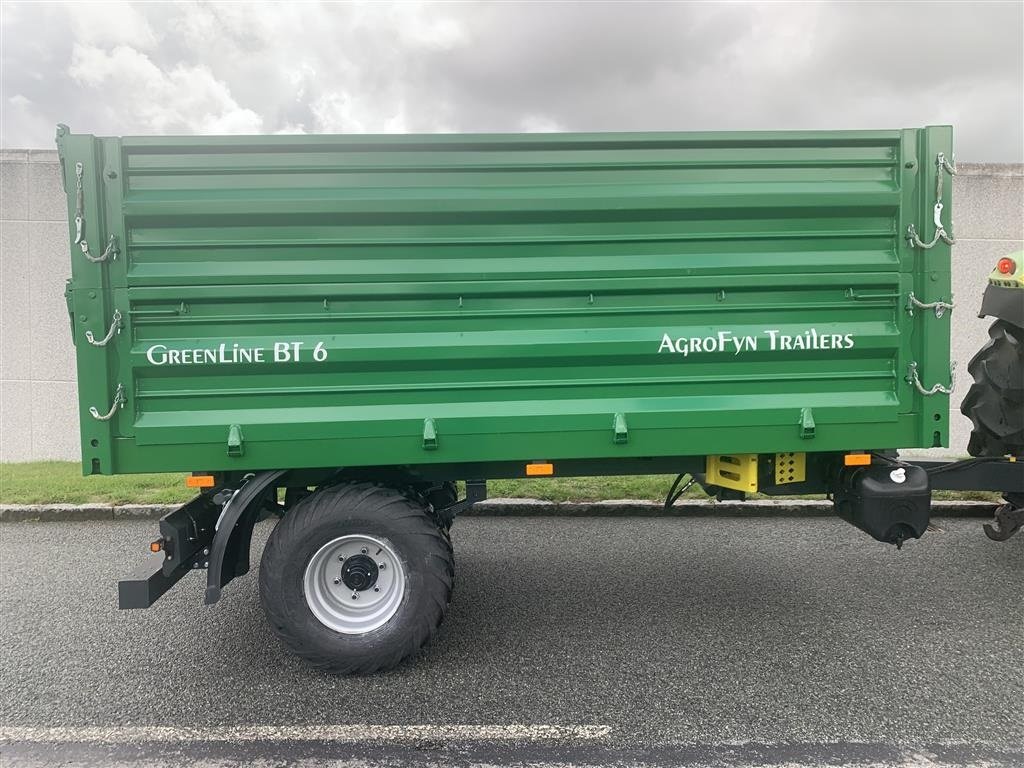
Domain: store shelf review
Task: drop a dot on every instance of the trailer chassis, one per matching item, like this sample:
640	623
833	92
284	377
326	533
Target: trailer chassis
213	532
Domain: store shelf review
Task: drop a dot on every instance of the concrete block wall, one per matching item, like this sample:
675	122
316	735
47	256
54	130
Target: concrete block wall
38	398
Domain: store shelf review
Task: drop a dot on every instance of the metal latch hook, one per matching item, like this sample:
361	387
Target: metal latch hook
942	165
115	328
79	204
119	400
939	306
913	378
110	252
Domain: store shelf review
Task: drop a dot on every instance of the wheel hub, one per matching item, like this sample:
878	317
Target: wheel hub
359	572
354	583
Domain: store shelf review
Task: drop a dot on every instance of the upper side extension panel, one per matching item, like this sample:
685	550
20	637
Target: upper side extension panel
443	208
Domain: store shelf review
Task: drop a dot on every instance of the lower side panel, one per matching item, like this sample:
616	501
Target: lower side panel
513	447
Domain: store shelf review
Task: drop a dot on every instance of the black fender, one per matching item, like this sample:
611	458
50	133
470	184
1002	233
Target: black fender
229	552
1003	303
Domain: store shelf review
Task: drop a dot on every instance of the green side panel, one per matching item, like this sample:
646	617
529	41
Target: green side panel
306	301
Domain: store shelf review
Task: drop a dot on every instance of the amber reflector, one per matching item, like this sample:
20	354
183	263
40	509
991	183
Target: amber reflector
857	459
533	470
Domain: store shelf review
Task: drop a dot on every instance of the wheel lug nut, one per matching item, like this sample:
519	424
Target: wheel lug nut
341	558
337	581
382	566
376	589
355	595
363	550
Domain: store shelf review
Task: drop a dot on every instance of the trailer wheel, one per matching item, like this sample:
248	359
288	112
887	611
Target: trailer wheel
356	578
995	402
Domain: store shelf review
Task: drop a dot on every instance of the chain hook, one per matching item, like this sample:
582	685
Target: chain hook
115	329
913	378
79	204
939	306
110	252
119	400
941	165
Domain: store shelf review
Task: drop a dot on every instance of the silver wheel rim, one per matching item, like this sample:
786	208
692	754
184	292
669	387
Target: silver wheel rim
343	608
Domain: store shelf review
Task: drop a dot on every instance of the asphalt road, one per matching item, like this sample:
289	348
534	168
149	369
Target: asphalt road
613	641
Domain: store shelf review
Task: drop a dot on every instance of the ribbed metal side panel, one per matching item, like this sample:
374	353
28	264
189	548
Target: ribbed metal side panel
518	290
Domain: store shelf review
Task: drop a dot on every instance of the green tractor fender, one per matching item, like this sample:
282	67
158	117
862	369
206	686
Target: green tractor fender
1004	296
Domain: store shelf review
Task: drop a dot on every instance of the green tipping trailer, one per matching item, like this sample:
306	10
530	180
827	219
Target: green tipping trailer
340	328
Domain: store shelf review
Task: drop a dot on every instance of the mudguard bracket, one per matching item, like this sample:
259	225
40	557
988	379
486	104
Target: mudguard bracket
229	552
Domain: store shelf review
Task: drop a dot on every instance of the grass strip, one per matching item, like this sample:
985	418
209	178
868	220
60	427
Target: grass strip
61	482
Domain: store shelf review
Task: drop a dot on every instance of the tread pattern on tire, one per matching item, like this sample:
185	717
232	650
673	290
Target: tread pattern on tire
995	402
325	514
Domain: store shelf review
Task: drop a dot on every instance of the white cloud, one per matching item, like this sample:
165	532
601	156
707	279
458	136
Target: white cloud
336	112
421	25
301	78
185	99
21	111
111	23
199	67
539	124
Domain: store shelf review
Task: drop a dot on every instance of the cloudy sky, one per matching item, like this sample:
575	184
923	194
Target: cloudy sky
197	67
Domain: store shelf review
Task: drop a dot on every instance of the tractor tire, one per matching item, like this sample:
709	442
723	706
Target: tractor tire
995	402
356	578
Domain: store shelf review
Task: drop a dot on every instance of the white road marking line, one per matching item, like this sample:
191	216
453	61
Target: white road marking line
339	733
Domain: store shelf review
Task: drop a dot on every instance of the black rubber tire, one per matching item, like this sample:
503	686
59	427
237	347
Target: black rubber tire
357	508
995	402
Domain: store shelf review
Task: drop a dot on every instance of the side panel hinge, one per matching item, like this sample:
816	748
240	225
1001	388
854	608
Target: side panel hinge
621	431
807	427
429	435
235	441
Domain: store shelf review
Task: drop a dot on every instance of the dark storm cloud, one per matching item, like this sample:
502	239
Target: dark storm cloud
231	68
